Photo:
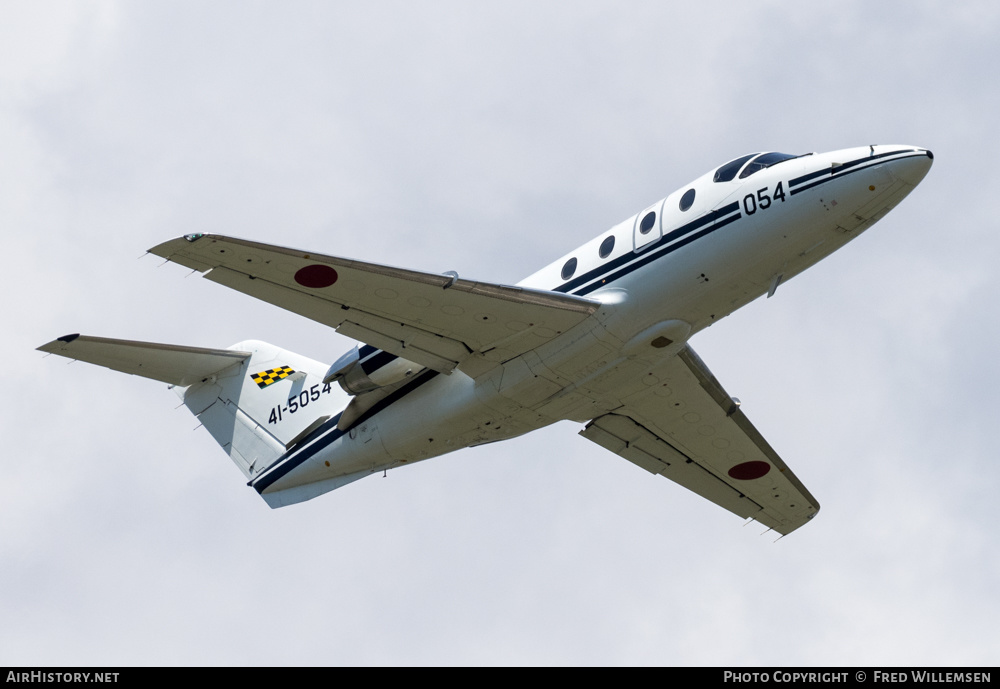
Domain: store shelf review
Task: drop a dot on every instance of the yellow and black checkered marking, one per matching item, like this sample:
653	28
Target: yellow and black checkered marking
273	375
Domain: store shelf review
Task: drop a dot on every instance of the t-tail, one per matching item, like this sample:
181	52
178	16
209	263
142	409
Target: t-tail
258	401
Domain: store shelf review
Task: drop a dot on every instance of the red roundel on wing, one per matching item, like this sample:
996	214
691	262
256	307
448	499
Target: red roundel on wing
748	471
316	276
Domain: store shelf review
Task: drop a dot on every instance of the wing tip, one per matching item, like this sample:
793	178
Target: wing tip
57	345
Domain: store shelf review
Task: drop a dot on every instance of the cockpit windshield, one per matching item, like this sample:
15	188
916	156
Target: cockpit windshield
727	172
765	160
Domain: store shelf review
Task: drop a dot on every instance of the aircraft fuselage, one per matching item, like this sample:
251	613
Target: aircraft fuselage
661	276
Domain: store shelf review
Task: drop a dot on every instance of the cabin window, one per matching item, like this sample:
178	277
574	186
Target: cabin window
607	246
687	200
729	170
568	269
647	222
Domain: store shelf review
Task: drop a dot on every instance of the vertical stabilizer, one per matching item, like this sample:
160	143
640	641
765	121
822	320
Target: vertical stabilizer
259	409
257	400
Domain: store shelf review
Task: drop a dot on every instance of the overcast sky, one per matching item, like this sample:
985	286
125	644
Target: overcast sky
492	138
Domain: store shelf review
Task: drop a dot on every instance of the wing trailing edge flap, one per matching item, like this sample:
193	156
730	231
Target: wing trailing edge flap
734	414
691	431
439	321
174	364
642	447
442	354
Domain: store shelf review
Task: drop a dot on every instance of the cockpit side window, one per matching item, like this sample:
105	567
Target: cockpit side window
765	160
729	170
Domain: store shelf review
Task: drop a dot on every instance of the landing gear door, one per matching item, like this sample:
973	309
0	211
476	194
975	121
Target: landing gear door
648	226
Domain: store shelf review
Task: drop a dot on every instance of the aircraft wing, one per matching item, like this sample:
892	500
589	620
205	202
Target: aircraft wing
690	430
439	321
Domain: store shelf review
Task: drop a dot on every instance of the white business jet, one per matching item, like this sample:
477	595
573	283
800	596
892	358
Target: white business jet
599	337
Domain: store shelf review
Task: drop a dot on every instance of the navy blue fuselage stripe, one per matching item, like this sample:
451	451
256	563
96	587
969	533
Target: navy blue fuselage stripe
366	350
806	178
840	172
654	255
714	215
376	362
657	249
834	171
299	454
321	439
866	159
425	377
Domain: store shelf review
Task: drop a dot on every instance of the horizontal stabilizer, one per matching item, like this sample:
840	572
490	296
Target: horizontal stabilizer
173	364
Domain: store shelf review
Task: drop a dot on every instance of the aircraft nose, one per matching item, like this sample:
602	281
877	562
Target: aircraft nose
912	169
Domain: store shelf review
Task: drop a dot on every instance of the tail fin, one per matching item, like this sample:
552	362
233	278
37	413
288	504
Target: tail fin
257	411
256	400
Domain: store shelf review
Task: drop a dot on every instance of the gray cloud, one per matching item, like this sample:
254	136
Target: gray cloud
490	140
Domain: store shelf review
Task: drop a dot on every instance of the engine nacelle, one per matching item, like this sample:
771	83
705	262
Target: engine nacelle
363	369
